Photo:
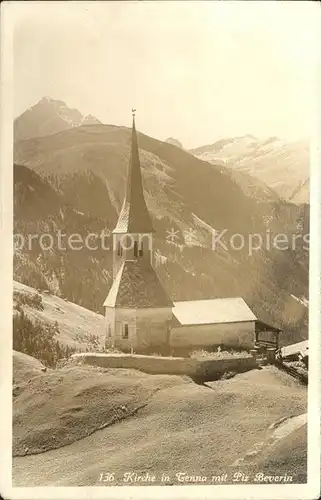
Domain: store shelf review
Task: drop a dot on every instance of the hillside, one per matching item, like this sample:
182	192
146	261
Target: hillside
72	424
74	182
47	117
283	166
76	326
25	367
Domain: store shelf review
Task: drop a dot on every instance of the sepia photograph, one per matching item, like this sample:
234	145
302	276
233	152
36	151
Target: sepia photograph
160	203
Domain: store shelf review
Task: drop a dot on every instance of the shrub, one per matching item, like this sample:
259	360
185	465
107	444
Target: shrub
219	354
32	300
228	375
38	340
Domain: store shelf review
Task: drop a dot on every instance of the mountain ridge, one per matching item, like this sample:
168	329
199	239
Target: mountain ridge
47	117
255	164
281	165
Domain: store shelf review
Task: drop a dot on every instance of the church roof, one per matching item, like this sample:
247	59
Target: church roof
134	216
211	311
137	286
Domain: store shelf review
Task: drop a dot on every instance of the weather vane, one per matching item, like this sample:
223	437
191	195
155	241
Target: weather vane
133	111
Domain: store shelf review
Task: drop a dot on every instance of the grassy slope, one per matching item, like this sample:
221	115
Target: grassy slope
179	426
76	323
82	400
25	367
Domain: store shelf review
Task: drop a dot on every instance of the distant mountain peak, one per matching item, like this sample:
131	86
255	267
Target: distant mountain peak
49	116
281	165
46	98
174	142
90	120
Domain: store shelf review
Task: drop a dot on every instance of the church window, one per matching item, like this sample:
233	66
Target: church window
141	249
135	249
125	331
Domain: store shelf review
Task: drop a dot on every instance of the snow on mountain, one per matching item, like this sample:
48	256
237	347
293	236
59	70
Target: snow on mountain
282	166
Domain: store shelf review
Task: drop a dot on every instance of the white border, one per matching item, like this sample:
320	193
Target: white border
309	491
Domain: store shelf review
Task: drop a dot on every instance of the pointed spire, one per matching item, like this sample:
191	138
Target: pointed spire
134	216
134	178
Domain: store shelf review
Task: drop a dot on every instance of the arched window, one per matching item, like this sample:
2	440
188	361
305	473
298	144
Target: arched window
135	249
125	330
141	251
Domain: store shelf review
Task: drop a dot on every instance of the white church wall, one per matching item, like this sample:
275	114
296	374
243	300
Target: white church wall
153	328
125	317
240	335
147	328
109	326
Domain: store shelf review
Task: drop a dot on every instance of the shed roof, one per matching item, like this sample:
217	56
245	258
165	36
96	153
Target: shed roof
136	286
261	326
291	350
205	312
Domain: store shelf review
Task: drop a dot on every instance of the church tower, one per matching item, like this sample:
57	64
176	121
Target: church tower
138	310
132	236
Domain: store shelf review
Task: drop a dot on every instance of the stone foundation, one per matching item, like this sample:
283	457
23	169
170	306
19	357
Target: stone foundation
202	370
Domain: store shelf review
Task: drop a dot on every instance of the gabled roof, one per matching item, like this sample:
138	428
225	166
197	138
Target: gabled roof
211	311
134	216
137	286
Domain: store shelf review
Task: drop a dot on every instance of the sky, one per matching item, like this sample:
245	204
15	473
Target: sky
196	71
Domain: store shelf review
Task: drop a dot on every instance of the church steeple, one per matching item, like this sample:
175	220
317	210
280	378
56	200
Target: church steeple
137	308
134	216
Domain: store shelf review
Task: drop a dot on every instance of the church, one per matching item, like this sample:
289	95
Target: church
140	316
